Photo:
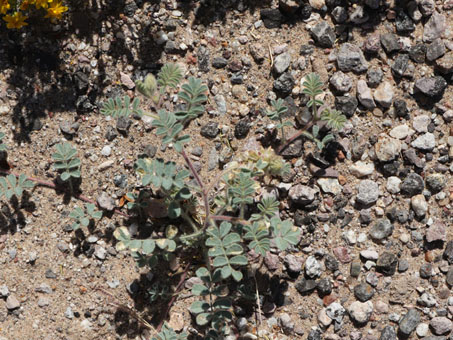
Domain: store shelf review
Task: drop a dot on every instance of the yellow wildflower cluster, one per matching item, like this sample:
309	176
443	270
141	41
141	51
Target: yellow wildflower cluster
14	11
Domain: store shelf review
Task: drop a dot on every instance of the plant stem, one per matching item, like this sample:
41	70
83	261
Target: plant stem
295	136
149	114
229	219
54	186
283	130
204	192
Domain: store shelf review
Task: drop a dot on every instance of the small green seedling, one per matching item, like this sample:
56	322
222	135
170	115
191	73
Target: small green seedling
278	110
14	186
84	217
66	162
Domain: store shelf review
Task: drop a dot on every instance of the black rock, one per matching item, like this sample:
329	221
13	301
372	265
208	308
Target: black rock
400	107
284	84
305	286
386	263
237	78
390	42
412	185
324	287
83	104
409	322
400	65
272	17
388	333
363	292
417	53
219	62
347	105
210	130
242	128
293	150
404	23
305	11
448	252
323	34
340	14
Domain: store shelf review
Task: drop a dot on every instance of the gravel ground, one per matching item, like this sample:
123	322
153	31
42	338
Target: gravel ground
375	260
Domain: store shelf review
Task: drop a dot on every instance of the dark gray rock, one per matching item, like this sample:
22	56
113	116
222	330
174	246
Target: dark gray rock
400	107
390	42
324	286
382	229
219	62
272	17
412	185
305	286
386	263
448	252
210	130
123	124
323	34
435	50
426	270
435	182
400	65
284	84
203	56
363	292
347	105
242	128
339	14
404	23
449	277
351	58
403	265
388	333
417	53
374	76
409	322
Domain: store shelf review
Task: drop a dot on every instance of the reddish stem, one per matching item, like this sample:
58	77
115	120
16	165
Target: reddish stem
53	186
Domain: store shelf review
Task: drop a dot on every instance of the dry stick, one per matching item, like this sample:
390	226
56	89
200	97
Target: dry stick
53	186
173	298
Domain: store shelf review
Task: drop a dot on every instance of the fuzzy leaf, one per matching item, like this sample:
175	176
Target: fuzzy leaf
285	233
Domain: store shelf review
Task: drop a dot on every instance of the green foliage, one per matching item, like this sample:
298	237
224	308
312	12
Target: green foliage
148	88
2	146
259	236
160	174
279	108
122	107
226	251
66	162
216	311
170	75
168	333
334	119
193	95
313	88
14	186
268	207
285	233
83	217
169	128
242	189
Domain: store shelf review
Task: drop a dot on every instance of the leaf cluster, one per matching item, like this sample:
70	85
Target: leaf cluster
83	217
14	186
122	107
66	162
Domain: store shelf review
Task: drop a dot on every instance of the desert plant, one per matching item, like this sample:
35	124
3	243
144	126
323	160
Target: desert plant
14	186
66	162
203	226
2	145
320	112
278	110
83	217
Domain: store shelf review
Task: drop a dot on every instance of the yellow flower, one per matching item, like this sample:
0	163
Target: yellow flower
4	6
25	4
55	10
42	3
17	20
